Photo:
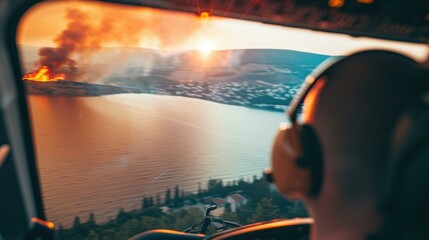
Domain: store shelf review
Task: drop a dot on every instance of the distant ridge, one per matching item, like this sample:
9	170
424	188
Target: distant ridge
257	78
71	88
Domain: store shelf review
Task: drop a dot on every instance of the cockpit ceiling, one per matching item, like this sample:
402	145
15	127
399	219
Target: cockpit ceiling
401	20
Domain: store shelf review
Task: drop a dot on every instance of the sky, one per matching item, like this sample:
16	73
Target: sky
106	25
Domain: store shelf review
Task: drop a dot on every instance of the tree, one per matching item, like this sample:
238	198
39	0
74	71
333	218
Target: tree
296	209
133	227
255	179
111	234
244	213
215	186
241	182
158	200
122	216
168	197
78	228
152	212
150	201
148	222
59	232
265	210
186	218
145	203
76	222
227	207
228	214
176	199
200	191
92	235
91	219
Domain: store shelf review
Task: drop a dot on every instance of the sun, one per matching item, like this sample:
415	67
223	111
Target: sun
205	47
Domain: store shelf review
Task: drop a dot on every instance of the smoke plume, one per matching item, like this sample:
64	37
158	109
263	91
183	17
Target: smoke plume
91	29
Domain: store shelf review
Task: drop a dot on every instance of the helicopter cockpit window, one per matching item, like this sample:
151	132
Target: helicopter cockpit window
144	118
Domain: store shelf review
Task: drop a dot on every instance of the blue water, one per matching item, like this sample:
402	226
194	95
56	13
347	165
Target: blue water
100	154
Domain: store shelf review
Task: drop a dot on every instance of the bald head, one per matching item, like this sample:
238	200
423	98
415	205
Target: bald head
354	115
356	112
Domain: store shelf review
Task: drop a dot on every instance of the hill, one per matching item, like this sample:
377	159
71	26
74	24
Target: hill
71	88
257	78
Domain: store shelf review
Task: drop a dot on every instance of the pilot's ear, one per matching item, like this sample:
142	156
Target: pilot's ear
296	161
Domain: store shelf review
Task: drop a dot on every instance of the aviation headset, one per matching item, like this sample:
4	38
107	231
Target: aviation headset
297	155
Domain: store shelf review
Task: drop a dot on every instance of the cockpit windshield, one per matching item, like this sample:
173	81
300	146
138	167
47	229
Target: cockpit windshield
144	118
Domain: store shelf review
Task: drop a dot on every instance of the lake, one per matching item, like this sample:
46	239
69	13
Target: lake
100	154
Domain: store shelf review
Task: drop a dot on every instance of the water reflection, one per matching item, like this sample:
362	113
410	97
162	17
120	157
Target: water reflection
101	154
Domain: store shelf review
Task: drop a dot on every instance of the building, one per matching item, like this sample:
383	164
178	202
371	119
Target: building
236	200
218	202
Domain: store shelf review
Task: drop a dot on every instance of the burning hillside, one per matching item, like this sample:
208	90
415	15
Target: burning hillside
72	89
43	75
88	30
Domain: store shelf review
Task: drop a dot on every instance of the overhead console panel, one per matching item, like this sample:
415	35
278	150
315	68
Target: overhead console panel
402	20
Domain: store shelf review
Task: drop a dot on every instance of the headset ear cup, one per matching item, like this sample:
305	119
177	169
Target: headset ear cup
292	179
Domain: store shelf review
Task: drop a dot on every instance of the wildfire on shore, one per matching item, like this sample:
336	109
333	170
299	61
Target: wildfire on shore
43	75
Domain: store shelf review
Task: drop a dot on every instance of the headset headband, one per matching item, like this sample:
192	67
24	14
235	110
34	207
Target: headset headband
309	83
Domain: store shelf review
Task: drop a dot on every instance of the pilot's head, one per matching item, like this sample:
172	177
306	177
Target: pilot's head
335	156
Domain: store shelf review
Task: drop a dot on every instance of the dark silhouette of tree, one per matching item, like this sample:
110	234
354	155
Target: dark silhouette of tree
152	212
133	227
91	219
265	210
188	217
76	221
227	207
92	235
176	198
215	186
145	203
158	200
168	197
241	182
122	216
296	209
150	201
200	191
230	216
59	232
113	234
263	204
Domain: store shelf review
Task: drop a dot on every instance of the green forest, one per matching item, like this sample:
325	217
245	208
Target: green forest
263	204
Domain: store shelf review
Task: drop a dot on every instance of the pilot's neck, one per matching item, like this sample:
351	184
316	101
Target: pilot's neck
337	220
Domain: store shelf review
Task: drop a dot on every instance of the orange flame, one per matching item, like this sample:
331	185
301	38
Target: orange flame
43	75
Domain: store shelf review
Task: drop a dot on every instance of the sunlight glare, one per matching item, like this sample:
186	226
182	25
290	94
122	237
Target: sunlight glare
205	48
